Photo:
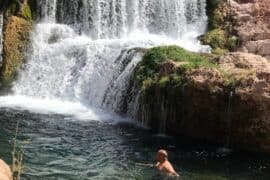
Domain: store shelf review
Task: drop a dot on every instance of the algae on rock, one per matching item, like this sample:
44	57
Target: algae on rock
220	36
18	24
16	39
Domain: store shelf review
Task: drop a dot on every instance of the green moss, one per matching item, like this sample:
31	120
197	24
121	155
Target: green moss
214	15
17	8
232	42
26	12
220	41
163	81
219	51
155	57
17	32
147	71
215	38
33	7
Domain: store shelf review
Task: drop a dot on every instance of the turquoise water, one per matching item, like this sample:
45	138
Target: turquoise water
62	148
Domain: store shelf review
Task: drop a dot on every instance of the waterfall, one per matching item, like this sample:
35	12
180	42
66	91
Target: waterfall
226	149
164	116
86	50
1	36
118	18
228	120
47	10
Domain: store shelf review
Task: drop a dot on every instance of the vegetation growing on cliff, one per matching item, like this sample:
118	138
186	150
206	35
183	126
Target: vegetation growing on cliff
149	69
17	27
219	35
23	9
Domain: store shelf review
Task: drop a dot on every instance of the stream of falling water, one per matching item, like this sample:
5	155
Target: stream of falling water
84	52
1	36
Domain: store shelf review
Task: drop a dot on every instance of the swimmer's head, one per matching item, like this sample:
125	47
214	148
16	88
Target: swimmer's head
162	155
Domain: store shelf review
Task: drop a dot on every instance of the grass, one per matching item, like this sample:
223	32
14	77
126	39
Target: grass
147	71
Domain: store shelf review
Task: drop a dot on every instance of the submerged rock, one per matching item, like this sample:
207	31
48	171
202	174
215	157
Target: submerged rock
229	99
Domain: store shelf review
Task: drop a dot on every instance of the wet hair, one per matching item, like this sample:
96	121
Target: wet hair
163	152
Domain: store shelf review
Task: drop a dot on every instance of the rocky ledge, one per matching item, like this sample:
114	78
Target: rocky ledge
240	25
222	99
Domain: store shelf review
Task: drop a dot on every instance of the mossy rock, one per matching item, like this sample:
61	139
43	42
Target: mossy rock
220	41
232	42
215	38
16	40
25	12
218	51
215	13
147	72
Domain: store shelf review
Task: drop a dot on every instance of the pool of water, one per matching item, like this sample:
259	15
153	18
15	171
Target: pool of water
65	148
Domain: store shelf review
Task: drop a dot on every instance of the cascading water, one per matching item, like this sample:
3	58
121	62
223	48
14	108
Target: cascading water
1	35
85	51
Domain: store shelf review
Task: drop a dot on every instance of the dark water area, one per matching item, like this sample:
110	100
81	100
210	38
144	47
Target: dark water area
59	147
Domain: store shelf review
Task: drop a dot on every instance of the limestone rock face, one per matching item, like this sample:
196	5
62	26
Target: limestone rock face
231	100
5	172
251	22
16	37
18	24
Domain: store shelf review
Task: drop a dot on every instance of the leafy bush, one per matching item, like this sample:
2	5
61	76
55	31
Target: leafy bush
215	38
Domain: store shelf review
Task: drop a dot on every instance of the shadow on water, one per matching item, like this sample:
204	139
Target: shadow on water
60	147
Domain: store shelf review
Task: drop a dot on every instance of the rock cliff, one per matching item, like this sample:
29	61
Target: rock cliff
207	98
16	36
242	25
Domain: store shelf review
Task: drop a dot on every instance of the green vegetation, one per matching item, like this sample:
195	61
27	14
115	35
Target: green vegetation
220	41
18	25
214	17
148	70
26	12
33	7
219	36
215	38
17	8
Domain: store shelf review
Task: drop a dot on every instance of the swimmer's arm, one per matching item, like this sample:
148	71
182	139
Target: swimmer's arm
175	174
145	164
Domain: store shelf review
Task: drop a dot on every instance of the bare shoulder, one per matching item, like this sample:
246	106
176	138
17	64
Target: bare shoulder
5	172
168	165
170	169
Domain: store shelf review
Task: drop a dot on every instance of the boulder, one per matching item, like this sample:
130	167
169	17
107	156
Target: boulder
230	101
16	40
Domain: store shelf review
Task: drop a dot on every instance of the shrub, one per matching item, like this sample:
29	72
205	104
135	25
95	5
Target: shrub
215	38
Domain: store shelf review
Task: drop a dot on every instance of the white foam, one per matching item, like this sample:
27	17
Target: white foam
55	106
87	62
